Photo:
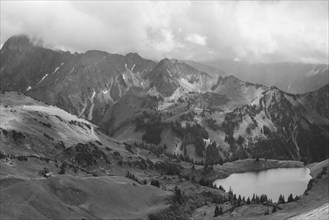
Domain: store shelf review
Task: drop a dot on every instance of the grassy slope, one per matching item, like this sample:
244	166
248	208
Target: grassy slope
25	194
78	197
27	115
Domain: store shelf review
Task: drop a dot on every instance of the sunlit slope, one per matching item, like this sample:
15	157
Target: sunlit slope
33	127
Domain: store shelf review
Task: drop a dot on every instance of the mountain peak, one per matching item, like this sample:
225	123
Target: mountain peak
18	42
167	61
96	52
274	88
231	77
133	55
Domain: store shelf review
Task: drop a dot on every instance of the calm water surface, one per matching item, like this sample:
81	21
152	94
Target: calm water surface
271	182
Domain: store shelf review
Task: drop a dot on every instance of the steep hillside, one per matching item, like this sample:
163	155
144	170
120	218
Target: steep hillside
273	124
282	125
32	129
169	75
83	84
237	90
55	165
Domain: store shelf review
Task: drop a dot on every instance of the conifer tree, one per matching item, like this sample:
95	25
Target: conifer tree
216	211
281	199
253	198
266	212
230	192
248	201
274	209
290	198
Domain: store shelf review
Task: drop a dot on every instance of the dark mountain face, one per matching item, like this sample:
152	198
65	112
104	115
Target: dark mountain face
83	84
23	63
283	125
171	103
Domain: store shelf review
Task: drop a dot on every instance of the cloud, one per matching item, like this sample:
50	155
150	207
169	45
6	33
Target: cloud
254	31
162	40
196	39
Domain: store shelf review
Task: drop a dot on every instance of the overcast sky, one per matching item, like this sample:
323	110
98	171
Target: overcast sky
270	31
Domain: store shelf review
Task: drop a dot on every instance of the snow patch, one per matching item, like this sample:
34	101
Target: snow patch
28	88
177	94
313	72
291	100
83	109
188	86
255	101
72	70
55	70
164	106
93	95
91	99
42	79
207	141
54	111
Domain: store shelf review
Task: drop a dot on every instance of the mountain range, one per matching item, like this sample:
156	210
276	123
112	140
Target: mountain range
290	77
171	104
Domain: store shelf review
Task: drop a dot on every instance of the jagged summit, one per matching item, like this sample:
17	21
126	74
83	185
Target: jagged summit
170	74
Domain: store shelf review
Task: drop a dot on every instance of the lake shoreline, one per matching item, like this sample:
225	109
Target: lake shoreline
271	182
250	165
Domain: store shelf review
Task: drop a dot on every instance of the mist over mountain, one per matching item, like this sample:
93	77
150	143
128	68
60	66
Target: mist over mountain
290	77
